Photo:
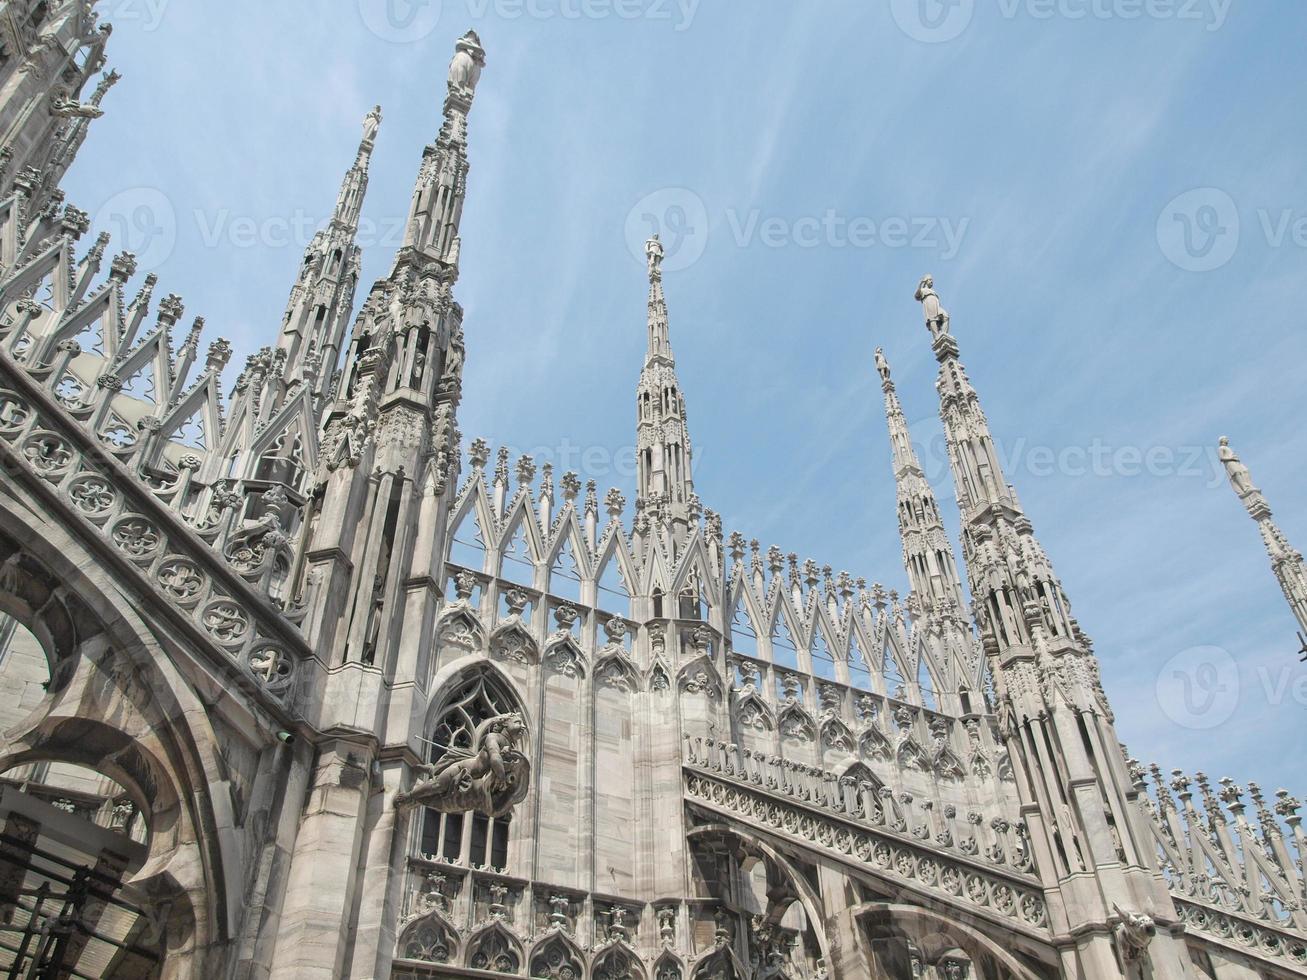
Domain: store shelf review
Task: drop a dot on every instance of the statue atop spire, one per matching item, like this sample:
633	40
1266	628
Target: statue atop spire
371	126
662	430
882	366
936	315
1286	561
465	68
653	250
1240	477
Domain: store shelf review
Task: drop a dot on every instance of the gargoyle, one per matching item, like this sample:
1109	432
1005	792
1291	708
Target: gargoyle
491	779
1133	934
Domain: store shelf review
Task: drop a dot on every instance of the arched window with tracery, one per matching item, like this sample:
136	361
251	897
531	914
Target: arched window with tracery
470	839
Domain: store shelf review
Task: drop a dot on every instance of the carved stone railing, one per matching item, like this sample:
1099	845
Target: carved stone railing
1237	932
1007	896
1000	842
1236	878
144	538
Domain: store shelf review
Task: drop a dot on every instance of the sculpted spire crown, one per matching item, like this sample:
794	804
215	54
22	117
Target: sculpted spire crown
465	67
653	250
936	316
371	125
1240	477
882	367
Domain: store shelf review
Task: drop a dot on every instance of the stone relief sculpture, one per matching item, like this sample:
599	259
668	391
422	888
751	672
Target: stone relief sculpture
491	779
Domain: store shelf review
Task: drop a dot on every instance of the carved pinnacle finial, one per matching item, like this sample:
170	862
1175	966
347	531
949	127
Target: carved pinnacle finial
371	125
653	250
465	67
937	318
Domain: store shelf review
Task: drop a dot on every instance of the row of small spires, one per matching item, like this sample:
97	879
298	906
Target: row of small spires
808	573
122	267
1230	794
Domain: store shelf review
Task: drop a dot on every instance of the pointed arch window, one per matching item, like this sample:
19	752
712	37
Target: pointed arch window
859	673
468	543
926	684
744	638
785	651
823	661
565	575
470	839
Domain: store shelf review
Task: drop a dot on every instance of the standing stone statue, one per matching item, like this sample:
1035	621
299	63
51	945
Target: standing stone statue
882	365
1240	478
469	59
936	316
372	125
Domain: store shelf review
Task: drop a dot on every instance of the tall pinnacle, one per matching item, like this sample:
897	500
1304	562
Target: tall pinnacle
437	206
318	310
1053	713
659	343
663	438
1286	563
349	206
927	554
410	317
1026	599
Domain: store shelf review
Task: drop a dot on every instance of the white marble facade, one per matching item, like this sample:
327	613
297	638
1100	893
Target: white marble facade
332	692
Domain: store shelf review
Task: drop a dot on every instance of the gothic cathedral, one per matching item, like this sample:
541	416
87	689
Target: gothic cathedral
295	683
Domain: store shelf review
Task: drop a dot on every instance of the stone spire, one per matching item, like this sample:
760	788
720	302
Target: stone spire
1286	563
437	207
927	554
411	314
322	298
390	443
1095	856
662	436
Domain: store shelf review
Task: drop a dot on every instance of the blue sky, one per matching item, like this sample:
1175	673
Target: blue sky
810	162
